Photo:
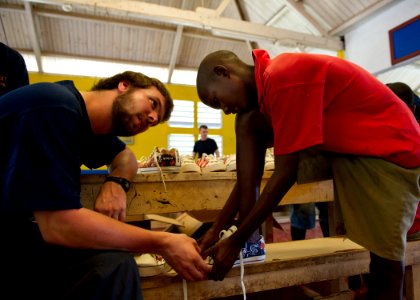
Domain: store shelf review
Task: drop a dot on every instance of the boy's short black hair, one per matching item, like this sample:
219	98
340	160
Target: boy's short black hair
205	74
137	80
203	127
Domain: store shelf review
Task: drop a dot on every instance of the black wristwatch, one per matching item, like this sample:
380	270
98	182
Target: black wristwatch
125	184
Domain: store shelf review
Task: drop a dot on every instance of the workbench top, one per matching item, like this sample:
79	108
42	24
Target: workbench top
182	192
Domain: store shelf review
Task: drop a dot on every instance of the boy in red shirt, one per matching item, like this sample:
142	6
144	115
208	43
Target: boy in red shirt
306	102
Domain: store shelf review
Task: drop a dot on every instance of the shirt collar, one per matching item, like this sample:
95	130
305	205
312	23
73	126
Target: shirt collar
261	62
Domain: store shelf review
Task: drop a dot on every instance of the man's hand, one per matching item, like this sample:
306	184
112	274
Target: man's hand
224	254
183	254
112	201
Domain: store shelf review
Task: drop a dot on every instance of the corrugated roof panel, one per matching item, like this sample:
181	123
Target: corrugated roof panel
194	50
14	30
291	20
101	40
261	11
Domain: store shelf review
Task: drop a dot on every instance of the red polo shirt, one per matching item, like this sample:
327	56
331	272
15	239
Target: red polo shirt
330	102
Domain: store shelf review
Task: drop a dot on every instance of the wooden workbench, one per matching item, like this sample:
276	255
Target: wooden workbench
287	264
191	192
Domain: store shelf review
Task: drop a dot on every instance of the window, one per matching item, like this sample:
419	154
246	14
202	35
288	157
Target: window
183	114
209	116
183	142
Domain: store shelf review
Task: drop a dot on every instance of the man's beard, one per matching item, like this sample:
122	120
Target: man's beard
121	117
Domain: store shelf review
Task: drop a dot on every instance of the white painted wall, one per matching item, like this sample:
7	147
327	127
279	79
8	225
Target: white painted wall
368	44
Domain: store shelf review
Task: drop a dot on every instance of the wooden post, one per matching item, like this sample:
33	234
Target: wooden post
412	282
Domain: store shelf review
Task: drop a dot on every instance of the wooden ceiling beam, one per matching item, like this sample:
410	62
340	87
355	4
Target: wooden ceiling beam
222	6
209	20
33	35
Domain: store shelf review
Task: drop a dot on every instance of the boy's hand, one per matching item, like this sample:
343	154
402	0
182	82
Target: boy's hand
224	254
210	238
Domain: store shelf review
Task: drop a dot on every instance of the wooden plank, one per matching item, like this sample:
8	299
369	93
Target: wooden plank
192	192
287	264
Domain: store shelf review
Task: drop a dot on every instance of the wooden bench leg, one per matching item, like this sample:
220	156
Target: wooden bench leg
412	282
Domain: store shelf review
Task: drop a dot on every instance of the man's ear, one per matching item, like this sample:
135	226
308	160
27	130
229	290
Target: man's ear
221	70
123	86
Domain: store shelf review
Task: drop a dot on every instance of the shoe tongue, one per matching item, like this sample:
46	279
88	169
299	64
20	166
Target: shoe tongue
146	259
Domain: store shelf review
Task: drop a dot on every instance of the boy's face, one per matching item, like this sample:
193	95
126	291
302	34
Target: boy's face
226	93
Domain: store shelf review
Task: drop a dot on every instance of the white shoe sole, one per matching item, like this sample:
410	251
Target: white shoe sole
250	260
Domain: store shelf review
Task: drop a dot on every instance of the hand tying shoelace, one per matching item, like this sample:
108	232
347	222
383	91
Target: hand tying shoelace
225	234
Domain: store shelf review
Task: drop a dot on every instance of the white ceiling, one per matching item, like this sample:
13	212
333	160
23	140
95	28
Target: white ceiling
177	34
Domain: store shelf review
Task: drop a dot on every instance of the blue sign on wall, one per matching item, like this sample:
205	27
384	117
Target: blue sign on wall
405	40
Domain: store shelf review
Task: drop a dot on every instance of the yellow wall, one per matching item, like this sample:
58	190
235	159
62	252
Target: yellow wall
157	136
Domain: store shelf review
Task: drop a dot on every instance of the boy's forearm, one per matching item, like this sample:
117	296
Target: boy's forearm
229	211
276	188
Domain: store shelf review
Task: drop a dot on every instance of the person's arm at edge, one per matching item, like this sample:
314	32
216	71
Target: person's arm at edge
217	153
112	199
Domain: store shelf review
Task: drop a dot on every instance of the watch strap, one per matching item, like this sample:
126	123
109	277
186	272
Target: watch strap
125	184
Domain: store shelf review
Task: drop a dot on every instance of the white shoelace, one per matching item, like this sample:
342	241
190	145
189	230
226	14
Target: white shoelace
160	169
184	289
223	235
241	260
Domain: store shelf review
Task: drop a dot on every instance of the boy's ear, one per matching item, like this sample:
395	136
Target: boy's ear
221	70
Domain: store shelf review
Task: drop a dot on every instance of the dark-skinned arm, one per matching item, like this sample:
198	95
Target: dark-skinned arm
247	149
226	251
282	179
253	136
